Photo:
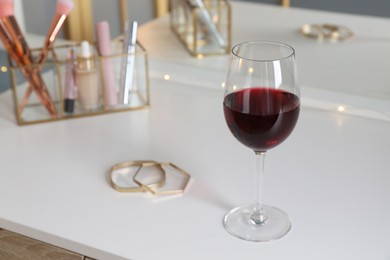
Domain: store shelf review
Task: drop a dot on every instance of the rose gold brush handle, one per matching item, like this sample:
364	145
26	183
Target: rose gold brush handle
63	8
35	72
36	84
21	58
42	57
27	73
55	27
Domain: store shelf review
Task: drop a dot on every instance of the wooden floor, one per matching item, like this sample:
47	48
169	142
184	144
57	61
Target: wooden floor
16	247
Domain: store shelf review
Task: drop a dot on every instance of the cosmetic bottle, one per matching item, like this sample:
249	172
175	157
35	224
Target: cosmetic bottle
70	86
87	79
104	47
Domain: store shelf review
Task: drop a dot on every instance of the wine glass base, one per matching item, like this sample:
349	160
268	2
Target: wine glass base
238	223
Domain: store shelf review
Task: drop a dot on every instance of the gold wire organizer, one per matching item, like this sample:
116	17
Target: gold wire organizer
203	27
53	73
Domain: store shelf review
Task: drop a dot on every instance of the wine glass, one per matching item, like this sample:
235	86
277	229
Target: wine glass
261	107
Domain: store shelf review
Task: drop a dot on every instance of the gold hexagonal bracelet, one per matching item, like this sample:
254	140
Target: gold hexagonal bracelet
156	178
176	180
122	175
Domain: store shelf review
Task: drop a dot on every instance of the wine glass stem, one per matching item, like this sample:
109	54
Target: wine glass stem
258	216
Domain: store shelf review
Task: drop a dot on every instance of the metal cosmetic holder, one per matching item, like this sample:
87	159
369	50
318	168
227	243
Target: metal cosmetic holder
203	27
53	75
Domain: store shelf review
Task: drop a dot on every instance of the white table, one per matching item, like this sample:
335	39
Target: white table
331	175
356	70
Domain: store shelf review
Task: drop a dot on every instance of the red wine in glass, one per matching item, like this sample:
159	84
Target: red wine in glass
261	118
261	108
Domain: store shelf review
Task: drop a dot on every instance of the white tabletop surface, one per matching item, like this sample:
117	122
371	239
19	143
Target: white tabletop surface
331	175
356	69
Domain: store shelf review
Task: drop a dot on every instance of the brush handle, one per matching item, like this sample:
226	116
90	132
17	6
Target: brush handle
35	72
56	25
18	49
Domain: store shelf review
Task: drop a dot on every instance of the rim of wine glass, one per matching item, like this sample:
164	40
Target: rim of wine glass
268	42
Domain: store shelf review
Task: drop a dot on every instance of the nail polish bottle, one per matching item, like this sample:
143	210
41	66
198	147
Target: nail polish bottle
87	79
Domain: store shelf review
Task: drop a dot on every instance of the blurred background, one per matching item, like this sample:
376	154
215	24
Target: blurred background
38	13
34	17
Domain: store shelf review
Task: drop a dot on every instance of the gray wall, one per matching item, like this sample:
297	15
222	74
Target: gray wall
141	11
39	14
365	7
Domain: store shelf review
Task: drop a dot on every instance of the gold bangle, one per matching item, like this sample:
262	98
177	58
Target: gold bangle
140	164
326	31
169	191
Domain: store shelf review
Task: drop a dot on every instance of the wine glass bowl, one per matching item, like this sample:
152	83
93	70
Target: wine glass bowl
261	107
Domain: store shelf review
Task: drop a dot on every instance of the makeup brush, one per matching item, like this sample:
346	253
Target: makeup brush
64	7
25	71
19	51
10	25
